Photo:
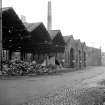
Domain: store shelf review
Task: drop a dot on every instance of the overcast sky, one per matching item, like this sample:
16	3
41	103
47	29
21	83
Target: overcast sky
84	19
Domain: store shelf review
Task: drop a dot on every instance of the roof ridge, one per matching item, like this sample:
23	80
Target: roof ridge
53	33
6	8
32	26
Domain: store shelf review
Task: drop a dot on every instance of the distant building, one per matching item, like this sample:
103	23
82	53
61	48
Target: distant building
93	56
103	58
75	53
69	51
84	54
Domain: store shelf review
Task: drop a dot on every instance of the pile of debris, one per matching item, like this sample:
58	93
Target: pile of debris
18	67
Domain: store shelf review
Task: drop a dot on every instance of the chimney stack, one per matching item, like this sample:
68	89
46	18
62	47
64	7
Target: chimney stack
49	18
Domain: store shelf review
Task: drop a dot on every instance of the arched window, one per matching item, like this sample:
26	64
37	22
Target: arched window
72	58
84	59
80	60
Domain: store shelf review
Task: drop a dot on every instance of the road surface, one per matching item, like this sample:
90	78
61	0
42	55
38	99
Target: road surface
15	91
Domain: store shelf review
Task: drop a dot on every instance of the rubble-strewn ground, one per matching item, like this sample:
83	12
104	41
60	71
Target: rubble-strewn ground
85	87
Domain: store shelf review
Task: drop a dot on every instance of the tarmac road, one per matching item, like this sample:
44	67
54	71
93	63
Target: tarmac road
18	90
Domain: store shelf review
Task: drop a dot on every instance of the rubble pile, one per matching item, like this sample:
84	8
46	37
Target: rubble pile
18	67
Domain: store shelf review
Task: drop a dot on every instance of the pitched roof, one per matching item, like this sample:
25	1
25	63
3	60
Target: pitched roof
58	40
77	41
66	38
53	33
11	21
38	33
83	44
10	18
92	48
6	9
31	26
57	37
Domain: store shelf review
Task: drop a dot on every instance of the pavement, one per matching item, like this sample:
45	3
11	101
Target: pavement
18	90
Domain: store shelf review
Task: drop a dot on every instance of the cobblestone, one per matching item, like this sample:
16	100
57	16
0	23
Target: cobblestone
70	96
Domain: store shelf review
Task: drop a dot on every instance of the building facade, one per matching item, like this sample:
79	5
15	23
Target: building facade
70	52
93	56
103	58
75	53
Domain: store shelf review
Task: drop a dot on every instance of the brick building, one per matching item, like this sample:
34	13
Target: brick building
70	51
103	58
38	42
58	43
93	56
75	53
84	54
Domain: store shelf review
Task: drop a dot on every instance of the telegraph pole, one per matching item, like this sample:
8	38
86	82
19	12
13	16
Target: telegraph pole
0	38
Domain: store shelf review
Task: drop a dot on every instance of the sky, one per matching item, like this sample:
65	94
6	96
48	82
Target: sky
84	19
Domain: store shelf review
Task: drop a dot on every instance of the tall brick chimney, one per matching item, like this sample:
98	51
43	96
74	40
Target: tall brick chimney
49	18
